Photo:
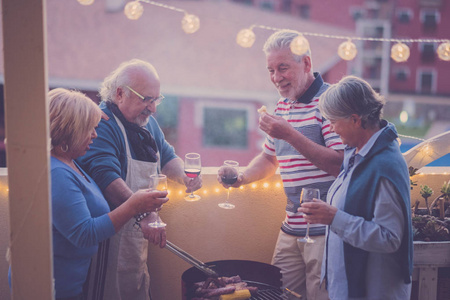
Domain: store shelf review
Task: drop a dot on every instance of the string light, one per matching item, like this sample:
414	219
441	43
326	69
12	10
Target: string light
347	50
85	2
400	52
443	51
133	10
245	38
299	45
426	150
190	23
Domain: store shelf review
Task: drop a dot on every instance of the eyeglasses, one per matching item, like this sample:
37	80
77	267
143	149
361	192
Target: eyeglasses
147	99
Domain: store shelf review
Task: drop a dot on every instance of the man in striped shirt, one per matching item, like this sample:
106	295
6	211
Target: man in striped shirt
300	143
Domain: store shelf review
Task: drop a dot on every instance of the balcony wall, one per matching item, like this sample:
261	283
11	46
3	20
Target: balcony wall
206	231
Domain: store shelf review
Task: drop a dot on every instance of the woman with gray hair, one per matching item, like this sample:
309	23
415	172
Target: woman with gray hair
369	247
81	217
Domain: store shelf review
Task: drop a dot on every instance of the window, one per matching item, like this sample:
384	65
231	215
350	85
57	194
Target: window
426	81
167	117
428	52
429	19
286	5
304	11
267	5
225	127
356	13
402	74
113	6
404	15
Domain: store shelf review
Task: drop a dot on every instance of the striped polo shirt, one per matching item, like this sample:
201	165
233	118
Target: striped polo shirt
296	171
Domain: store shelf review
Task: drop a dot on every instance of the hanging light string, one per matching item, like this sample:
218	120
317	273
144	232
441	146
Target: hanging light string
342	37
411	137
246	37
134	10
347	50
163	5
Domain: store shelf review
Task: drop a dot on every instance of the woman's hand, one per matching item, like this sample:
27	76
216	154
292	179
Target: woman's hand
318	212
148	200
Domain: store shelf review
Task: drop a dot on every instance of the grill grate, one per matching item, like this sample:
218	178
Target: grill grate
270	295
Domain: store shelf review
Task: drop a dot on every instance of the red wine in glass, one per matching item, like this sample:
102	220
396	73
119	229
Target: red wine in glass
230	172
230	180
192	173
192	169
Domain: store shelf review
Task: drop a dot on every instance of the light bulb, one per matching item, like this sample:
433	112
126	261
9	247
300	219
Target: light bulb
245	38
85	2
426	150
190	23
400	52
443	51
299	45
133	10
347	50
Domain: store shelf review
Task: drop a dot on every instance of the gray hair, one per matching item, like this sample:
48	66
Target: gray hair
352	95
281	40
121	77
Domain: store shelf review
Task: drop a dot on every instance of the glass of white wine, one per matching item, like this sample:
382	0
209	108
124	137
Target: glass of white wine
192	169
307	195
230	173
158	182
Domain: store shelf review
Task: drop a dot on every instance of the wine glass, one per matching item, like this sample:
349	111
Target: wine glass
307	195
158	182
230	174
192	169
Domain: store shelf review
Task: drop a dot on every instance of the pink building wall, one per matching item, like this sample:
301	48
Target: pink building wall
190	135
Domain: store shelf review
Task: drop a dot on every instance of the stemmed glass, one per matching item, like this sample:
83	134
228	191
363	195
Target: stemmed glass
158	182
307	195
230	174
192	169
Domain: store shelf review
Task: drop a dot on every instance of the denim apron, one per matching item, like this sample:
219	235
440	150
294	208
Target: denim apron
119	270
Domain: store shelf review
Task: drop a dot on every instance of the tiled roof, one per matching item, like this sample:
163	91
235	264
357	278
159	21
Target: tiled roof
86	42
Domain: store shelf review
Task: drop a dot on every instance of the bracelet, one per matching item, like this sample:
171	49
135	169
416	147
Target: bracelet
139	218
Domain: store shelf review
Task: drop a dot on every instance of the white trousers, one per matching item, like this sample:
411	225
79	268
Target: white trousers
300	265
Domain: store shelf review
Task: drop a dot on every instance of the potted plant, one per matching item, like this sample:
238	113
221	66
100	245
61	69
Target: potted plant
430	226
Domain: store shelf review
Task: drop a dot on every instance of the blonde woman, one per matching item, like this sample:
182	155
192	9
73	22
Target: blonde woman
81	217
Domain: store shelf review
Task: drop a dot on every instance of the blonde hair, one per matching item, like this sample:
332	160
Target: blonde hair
72	117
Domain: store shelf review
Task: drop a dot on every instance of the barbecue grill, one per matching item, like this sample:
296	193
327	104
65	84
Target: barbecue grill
264	276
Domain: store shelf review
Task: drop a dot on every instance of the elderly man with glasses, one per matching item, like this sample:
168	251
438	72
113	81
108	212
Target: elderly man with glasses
129	148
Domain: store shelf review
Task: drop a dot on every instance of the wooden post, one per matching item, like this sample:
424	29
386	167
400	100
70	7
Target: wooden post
27	148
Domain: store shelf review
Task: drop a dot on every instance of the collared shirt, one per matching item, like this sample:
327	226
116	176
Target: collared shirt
296	171
380	236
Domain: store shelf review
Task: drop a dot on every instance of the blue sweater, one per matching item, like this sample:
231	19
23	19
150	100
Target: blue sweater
106	159
384	160
79	223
